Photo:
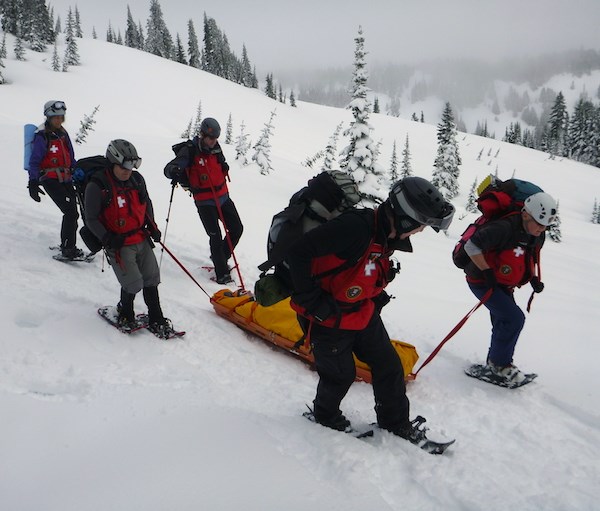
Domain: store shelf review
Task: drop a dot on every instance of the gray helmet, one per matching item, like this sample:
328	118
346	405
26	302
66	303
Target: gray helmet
123	153
414	201
542	208
54	107
210	127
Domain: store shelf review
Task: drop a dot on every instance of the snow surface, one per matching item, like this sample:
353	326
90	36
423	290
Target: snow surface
95	420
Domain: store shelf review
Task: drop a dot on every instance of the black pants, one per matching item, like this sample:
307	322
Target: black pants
63	195
220	251
333	349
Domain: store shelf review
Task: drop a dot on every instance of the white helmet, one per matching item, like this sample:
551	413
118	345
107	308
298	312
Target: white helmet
54	107
542	208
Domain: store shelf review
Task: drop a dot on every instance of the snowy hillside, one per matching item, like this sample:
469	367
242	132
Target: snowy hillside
95	420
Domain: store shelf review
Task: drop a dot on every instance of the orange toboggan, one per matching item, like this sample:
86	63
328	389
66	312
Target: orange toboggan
277	324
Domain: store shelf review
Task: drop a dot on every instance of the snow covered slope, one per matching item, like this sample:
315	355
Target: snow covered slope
92	419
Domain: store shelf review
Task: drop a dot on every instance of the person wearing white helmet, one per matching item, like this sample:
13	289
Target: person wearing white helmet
504	254
50	166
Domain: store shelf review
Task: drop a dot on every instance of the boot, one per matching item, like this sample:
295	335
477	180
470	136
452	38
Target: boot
155	314
125	309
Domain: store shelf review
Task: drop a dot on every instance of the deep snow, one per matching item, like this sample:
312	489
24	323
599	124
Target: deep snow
93	419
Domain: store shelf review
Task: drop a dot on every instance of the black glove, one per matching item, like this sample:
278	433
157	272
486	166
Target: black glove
35	190
113	240
393	271
154	232
490	278
381	300
537	285
319	304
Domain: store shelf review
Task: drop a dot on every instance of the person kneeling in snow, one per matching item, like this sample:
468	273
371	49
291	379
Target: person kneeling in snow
339	271
119	212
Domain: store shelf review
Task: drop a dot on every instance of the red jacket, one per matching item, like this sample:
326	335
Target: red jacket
207	177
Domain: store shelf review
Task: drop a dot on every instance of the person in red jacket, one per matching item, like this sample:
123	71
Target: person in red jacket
50	166
119	212
200	166
339	272
504	254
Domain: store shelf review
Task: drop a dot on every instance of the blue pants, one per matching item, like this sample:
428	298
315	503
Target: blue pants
507	322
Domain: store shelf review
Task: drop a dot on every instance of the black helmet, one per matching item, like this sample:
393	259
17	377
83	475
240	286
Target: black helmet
414	201
123	153
210	127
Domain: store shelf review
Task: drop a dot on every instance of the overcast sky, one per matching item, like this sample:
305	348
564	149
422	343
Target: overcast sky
281	35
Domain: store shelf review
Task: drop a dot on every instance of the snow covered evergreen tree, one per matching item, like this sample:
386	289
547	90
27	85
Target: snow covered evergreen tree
94	34
595	213
212	56
229	130
3	53
77	26
394	164
58	25
406	168
269	87
376	105
55	59
179	51
553	231
446	165
357	157
310	161
110	35
2	80
19	49
158	39
292	99
132	36
556	133
262	148
471	205
71	57
198	121
86	125
330	154
187	133
193	48
242	145
246	70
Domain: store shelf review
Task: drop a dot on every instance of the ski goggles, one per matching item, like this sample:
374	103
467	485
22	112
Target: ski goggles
131	164
403	210
56	108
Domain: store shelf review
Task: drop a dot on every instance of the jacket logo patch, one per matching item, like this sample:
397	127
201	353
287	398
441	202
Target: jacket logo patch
369	267
121	222
505	269
353	292
518	252
203	177
121	201
53	149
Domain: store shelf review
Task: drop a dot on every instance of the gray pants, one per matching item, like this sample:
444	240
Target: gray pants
137	267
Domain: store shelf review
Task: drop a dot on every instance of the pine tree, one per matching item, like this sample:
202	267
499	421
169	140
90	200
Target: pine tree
595	213
330	153
141	35
94	35
414	117
193	49
280	94
55	59
212	57
119	39
292	99
71	57
422	117
132	36
110	36
376	105
2	80
357	157
198	121
158	38
11	13
269	88
58	25
77	27
242	146
19	50
446	166
556	137
394	164
3	53
229	130
180	52
581	131
471	205
310	161
262	148
86	125
406	167
187	133
246	78
553	231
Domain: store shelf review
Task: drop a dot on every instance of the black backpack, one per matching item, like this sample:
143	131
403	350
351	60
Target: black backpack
326	196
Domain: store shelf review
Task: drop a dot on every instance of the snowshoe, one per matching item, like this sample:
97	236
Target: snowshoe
74	254
111	315
509	377
164	330
339	423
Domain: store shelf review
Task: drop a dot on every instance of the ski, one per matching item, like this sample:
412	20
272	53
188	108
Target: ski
110	314
478	371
